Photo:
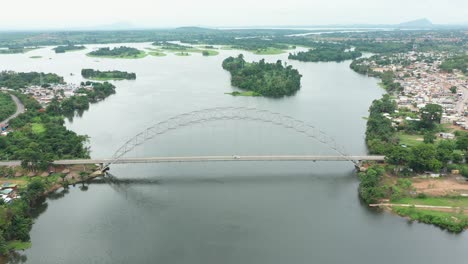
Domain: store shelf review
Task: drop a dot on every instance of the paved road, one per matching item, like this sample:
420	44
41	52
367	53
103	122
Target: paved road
209	159
19	109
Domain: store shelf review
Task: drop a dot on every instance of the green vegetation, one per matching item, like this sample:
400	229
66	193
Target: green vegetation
327	53
157	53
209	52
37	128
14	80
182	54
16	50
18	245
453	201
410	140
40	136
8	106
247	93
183	50
35	57
268	51
118	53
16	220
380	46
67	48
266	79
457	62
370	189
446	220
107	75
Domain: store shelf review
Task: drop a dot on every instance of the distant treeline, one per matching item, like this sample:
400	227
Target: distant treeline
267	79
107	75
14	80
327	53
70	47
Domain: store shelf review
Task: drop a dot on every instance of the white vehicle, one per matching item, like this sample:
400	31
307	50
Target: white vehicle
236	156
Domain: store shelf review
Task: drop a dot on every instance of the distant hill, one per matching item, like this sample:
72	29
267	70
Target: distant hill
195	29
419	23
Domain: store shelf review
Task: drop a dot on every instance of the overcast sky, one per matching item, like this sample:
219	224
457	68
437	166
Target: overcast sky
219	13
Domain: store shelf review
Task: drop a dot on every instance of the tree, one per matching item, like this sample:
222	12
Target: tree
462	141
453	89
3	245
431	114
423	157
429	137
398	156
444	151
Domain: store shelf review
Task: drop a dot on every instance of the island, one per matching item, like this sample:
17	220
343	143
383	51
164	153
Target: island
261	78
121	52
16	50
107	75
67	48
326	53
182	50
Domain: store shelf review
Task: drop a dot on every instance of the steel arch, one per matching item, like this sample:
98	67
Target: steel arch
228	113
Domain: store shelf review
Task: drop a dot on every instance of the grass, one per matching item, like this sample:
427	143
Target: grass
246	93
269	51
410	140
35	57
18	245
452	221
455	201
142	54
157	54
37	128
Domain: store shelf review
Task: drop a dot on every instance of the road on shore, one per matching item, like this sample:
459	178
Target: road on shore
19	109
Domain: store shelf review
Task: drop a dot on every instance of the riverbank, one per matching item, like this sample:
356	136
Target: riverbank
27	191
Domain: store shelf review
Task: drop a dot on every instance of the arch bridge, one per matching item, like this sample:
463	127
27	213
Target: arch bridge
232	113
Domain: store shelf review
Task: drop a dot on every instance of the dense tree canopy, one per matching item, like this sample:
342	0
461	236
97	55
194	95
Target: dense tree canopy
267	79
7	106
116	52
329	53
69	47
96	74
14	80
458	62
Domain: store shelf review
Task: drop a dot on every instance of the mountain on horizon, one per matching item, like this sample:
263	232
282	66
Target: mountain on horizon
418	23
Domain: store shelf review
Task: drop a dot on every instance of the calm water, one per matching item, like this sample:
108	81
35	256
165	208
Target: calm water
203	213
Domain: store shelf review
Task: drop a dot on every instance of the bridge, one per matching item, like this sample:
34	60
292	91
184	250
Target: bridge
208	159
216	114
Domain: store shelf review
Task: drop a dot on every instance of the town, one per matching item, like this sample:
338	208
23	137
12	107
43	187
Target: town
423	82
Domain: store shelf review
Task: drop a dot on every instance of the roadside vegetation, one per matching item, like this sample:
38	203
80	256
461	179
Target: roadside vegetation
266	79
8	106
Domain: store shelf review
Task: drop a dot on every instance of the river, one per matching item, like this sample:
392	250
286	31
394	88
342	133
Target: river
272	212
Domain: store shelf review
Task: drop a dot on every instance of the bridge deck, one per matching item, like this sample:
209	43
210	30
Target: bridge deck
210	159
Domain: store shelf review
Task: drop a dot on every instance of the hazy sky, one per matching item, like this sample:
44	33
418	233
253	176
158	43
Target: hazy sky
170	13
